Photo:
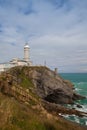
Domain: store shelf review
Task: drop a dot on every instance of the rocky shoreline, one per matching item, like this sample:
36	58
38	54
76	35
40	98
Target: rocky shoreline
60	110
52	90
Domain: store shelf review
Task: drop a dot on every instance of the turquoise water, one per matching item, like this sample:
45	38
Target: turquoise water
80	83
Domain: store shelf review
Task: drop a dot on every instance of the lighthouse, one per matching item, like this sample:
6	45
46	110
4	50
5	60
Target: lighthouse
26	52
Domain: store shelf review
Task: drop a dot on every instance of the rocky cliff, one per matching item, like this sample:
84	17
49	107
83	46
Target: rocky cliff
48	85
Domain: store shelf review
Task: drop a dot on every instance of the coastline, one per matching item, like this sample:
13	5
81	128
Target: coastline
38	83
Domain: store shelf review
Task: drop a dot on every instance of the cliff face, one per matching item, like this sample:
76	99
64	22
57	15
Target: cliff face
48	85
52	87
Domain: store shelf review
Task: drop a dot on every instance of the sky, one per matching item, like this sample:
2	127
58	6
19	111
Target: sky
56	31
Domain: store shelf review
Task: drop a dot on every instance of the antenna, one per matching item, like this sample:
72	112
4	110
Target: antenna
45	63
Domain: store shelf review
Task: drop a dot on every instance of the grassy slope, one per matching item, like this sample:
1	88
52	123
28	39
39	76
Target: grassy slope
17	116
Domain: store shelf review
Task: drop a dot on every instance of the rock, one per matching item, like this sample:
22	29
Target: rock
58	96
79	106
78	97
57	109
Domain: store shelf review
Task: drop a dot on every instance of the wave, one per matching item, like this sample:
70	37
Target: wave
86	123
78	106
81	88
83	109
79	83
74	118
78	89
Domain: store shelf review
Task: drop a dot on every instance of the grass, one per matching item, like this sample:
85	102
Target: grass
26	82
24	117
28	119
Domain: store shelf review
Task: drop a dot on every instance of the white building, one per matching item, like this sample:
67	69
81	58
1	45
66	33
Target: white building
16	61
26	52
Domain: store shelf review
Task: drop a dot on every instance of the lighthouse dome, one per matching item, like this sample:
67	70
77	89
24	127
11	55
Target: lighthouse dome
26	45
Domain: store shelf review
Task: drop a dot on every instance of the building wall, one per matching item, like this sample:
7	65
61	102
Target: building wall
5	66
13	63
26	54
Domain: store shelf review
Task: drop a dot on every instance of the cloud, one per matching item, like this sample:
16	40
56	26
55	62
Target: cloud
55	29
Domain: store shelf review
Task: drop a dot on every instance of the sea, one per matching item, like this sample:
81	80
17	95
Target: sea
80	84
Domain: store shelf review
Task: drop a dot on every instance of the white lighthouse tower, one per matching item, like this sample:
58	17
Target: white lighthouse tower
26	52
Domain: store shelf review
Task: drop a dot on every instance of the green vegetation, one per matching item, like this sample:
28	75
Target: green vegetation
22	79
26	82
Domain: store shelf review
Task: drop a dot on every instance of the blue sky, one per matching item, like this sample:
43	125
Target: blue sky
56	31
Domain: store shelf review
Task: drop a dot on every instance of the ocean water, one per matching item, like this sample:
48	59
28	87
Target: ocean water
80	83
